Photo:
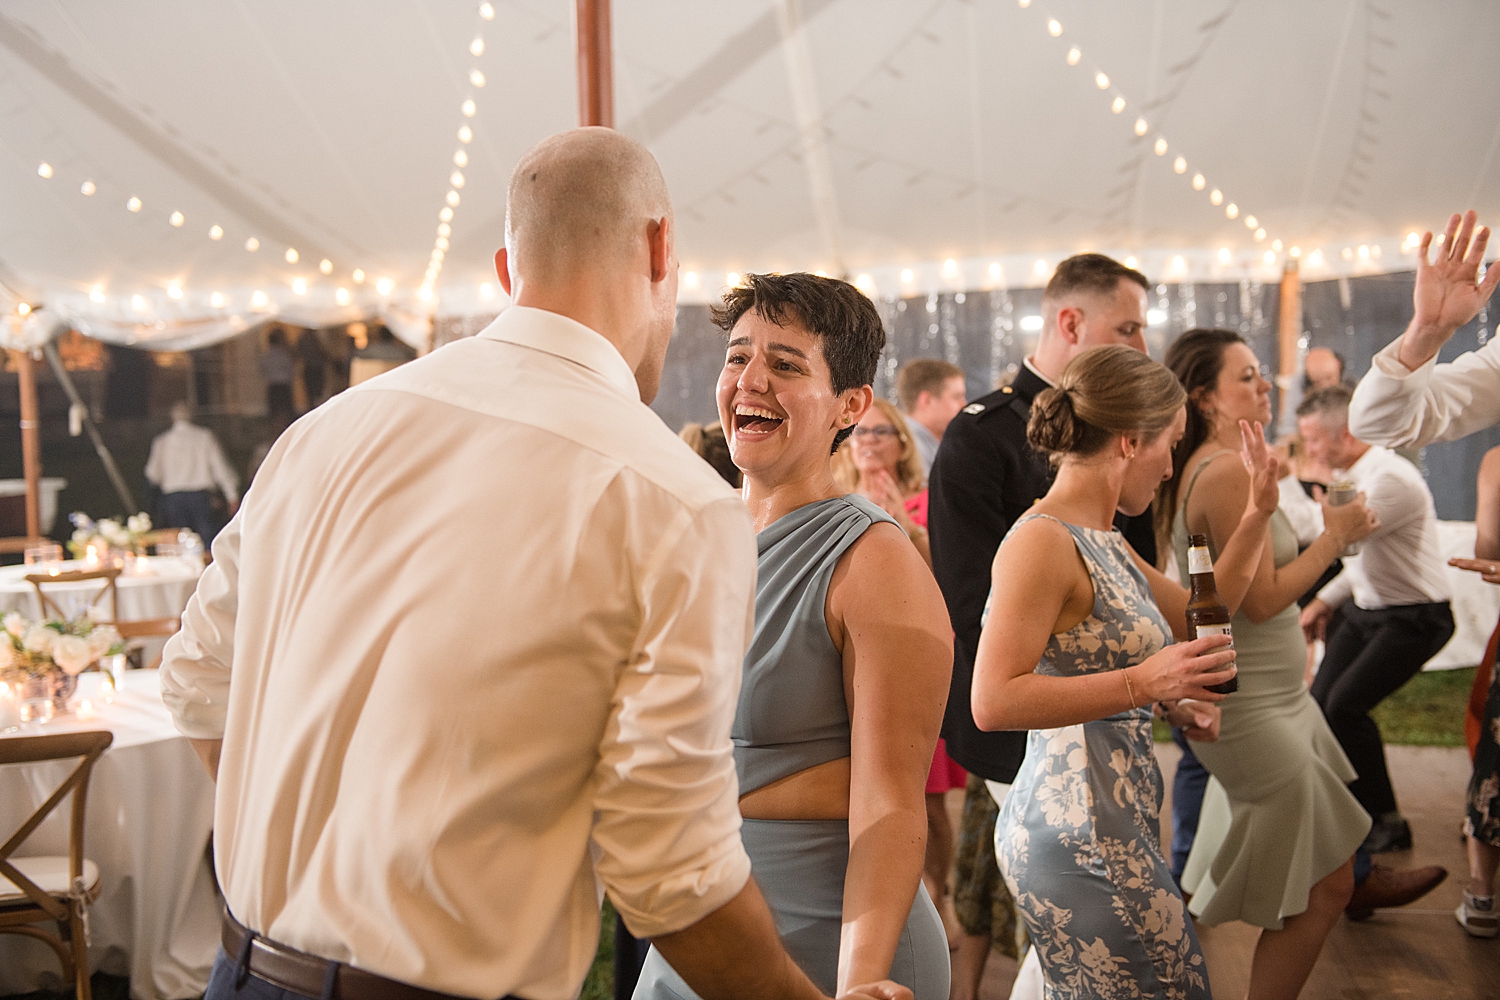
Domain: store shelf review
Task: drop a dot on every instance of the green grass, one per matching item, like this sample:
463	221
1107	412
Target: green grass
600	982
1427	712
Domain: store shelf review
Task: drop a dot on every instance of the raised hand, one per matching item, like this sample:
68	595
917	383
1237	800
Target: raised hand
1448	291
1263	465
1348	522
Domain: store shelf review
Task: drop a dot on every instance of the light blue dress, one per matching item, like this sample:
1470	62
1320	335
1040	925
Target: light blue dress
792	715
1079	836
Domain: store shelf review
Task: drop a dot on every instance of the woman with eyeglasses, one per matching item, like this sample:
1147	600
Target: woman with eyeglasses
880	463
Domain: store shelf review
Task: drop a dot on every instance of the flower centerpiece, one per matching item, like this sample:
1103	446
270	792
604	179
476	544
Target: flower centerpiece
128	535
41	661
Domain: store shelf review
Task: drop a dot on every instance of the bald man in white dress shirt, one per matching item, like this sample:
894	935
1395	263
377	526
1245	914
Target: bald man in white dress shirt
471	648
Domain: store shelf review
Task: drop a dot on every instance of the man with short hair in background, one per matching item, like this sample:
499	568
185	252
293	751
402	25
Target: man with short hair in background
987	476
186	464
931	393
1322	367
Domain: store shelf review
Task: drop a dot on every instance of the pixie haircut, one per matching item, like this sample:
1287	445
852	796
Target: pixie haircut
844	321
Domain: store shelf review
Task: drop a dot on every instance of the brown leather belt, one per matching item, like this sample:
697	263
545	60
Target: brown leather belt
310	975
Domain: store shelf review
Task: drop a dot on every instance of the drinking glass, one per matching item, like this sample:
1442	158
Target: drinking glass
47	558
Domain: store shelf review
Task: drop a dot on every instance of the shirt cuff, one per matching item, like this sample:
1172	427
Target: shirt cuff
1388	362
1337	590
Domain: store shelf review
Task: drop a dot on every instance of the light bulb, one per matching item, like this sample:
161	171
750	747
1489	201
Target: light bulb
487	11
1040	267
1074	55
1270	257
476	78
460	159
486	290
384	286
87	188
299	286
690	279
1161	147
995	271
1375	250
1276	245
456	179
1294	252
174	291
731	279
446	214
452	198
1315	258
176	219
341	296
465	134
906	274
1364	252
950	267
291	255
1101	81
138	303
476	47
425	292
1231	210
358	276
325	265
96	294
1178	263
1053	28
1024	3
1131	262
1141	126
1250	222
1199	182
1118	105
252	244
216	232
442	243
1223	255
44	171
444	229
1260	234
24	309
258	299
1179	165
216	300
1216	197
467	108
133	204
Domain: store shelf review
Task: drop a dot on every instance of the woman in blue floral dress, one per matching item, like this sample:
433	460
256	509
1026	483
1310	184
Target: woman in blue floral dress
1078	649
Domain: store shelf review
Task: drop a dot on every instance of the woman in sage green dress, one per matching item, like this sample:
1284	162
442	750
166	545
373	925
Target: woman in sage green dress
1279	827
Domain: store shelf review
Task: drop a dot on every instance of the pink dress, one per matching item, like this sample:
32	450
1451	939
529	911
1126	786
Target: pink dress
945	772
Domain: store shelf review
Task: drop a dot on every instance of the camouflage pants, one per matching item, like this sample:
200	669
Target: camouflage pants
980	898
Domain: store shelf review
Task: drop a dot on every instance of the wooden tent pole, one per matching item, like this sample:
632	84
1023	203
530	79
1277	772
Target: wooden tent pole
31	443
1289	330
596	92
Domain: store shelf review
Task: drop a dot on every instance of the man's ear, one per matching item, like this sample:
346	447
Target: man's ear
1070	323
502	269
659	245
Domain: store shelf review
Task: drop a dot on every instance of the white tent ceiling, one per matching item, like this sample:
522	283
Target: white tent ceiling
945	129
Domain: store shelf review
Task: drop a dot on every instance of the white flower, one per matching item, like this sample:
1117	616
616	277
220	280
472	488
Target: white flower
39	639
138	524
81	520
72	653
101	639
114	532
82	536
14	624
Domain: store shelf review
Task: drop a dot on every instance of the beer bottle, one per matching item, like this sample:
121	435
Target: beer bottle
1206	614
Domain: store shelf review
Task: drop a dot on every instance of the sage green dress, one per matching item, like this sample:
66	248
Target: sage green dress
1278	816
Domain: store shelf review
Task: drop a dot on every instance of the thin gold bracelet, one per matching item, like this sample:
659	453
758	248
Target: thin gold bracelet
1129	691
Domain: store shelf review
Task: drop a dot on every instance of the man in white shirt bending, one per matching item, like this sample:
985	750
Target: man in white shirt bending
186	462
471	648
1399	616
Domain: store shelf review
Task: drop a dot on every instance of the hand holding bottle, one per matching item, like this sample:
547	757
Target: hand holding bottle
1185	670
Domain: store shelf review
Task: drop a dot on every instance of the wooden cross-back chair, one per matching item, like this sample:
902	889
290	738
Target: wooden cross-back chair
107	588
53	889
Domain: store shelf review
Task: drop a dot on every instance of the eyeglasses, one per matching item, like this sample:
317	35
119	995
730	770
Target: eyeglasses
883	431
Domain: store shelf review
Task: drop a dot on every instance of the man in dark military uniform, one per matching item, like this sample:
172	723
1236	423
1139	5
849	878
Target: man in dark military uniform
986	477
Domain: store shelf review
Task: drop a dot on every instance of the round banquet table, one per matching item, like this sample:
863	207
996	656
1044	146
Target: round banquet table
155	587
150	813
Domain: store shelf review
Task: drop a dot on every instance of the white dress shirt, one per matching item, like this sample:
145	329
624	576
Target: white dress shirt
186	458
1400	408
1402	561
925	441
475	638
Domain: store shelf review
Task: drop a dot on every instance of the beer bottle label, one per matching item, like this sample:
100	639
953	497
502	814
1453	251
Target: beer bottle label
1199	562
1204	631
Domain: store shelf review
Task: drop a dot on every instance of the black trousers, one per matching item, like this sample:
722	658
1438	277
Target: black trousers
1369	655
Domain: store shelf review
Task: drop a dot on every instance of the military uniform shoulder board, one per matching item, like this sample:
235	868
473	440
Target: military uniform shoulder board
974	408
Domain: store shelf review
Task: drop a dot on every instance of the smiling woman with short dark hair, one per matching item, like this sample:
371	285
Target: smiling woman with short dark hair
847	675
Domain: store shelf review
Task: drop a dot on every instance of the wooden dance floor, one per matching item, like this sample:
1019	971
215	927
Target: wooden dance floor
1418	951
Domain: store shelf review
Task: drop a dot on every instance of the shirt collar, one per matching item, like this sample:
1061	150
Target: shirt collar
1037	372
555	334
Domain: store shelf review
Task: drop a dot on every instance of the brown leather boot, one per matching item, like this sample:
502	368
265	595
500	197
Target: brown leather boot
1387	887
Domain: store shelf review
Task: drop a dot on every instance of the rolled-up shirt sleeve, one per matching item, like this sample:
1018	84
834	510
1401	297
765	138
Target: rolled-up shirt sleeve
196	661
1400	408
667	818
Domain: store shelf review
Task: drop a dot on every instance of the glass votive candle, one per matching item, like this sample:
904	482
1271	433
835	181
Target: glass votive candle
95	688
114	665
47	558
10	711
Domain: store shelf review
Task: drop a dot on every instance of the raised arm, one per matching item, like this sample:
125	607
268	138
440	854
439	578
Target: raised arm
1040	588
887	616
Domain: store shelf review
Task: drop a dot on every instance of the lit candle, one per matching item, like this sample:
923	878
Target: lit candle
92	555
85	709
10	713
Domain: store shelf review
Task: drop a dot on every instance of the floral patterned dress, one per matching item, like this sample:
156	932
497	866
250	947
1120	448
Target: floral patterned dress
1079	837
1482	818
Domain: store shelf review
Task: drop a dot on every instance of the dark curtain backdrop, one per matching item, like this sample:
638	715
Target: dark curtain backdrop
982	333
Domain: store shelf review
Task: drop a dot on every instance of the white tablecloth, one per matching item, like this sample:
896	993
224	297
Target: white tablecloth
1476	604
160	589
50	488
150	812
